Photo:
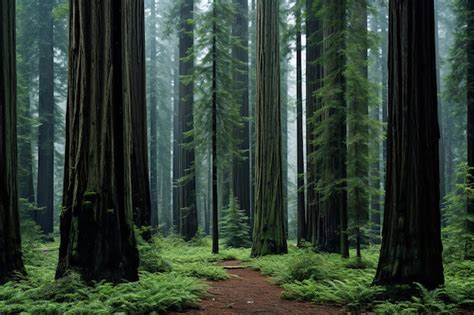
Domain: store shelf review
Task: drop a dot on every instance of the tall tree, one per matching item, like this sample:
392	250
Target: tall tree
97	237
241	171
140	179
10	243
313	104
331	134
269	235
411	245
45	183
215	210
469	251
301	213
187	190
152	73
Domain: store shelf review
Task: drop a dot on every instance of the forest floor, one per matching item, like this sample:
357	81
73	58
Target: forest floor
249	292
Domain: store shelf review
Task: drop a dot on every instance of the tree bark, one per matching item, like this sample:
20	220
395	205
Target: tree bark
187	189
269	235
301	213
215	209
45	188
11	262
411	246
97	237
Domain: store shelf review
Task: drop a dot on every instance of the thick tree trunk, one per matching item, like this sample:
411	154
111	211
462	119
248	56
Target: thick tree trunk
313	83
411	246
269	235
97	237
11	262
140	175
45	188
153	112
469	250
187	189
241	172
301	213
333	219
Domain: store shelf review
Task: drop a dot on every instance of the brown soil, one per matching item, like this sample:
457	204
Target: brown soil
248	292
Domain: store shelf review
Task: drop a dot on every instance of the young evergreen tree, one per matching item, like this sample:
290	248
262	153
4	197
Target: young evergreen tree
97	237
269	235
411	245
11	262
46	108
235	229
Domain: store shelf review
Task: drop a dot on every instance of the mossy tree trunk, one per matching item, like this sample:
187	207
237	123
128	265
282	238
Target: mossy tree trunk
411	245
45	183
10	243
187	190
269	235
97	237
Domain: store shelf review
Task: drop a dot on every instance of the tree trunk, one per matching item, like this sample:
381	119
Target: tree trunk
301	213
411	246
269	235
153	112
187	189
469	249
140	174
177	140
45	188
97	237
215	209
333	207
241	173
10	243
313	83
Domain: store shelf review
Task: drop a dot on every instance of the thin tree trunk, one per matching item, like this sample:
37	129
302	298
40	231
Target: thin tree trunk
269	235
45	188
215	209
301	214
177	140
411	246
97	237
11	262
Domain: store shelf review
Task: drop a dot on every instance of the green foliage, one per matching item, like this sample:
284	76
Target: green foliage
235	230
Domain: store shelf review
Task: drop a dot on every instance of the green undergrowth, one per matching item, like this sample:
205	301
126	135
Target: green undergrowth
328	279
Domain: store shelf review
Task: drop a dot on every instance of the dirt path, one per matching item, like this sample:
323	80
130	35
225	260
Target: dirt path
248	292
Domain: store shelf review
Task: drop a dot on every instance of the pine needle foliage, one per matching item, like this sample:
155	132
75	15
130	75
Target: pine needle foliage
235	229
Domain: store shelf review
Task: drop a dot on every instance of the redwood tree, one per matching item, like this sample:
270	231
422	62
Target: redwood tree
411	245
97	237
269	235
10	244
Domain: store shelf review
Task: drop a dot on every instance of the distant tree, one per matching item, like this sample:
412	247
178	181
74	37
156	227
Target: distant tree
11	262
97	237
188	222
46	109
411	245
269	235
